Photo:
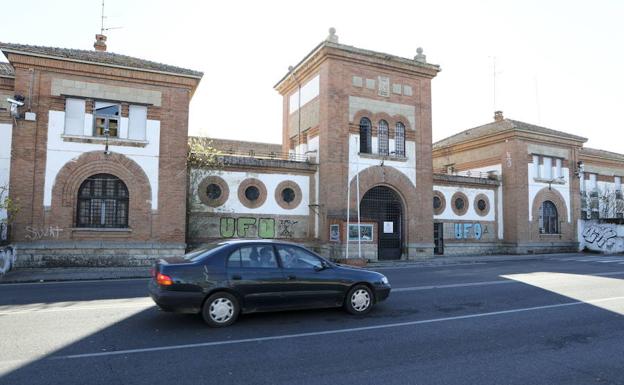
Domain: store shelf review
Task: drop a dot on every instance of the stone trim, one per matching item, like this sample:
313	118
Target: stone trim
280	200
202	192
102	140
442	207
248	183
485	211
464	210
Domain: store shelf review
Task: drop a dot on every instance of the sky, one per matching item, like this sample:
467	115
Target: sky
558	64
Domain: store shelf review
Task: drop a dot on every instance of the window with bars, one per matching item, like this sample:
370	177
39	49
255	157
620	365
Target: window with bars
383	137
106	119
365	136
102	202
399	139
548	218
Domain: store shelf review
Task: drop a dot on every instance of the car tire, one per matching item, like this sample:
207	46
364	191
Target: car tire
359	300
220	309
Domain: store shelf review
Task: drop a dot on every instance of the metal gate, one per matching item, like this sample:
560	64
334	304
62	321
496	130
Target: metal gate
383	205
438	238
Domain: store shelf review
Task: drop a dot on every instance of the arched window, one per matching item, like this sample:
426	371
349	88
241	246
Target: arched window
548	218
102	202
365	136
399	139
383	137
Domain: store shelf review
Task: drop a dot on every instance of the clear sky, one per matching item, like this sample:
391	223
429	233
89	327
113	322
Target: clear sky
559	63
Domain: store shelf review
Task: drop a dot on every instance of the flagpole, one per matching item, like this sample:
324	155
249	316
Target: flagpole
357	200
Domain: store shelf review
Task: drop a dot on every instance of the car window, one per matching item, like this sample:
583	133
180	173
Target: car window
297	258
254	256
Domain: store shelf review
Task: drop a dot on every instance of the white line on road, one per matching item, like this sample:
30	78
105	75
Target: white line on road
76	305
335	331
103	280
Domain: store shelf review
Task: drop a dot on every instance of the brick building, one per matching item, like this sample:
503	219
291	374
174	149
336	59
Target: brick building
97	154
96	158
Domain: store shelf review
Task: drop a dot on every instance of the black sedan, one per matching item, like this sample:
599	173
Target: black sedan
233	277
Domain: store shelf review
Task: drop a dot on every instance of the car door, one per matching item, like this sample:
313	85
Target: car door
310	282
253	271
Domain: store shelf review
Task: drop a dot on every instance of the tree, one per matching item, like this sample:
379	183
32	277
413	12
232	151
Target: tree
8	207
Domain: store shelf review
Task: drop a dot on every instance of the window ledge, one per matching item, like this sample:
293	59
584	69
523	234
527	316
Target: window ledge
102	140
392	158
102	229
550	181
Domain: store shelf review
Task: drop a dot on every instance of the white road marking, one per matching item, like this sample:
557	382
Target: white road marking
330	332
146	302
70	282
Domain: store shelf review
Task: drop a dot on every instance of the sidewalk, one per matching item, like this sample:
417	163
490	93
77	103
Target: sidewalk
26	275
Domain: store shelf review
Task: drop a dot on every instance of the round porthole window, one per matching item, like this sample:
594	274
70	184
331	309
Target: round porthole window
460	203
252	193
288	194
213	191
482	205
439	203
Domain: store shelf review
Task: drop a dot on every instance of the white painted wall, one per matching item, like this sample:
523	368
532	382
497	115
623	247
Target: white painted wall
309	91
536	186
6	137
60	152
408	167
270	206
471	214
602	237
498	169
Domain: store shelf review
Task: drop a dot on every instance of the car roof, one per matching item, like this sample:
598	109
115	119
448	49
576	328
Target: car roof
260	240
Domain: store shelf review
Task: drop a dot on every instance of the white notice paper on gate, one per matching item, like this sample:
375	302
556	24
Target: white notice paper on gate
388	227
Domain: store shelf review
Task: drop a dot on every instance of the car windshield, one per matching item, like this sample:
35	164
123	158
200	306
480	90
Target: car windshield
200	253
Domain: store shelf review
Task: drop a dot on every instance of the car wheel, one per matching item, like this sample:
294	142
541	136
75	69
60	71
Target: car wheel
359	300
220	309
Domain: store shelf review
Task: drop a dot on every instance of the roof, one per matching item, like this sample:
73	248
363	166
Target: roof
6	70
602	153
361	51
97	57
504	125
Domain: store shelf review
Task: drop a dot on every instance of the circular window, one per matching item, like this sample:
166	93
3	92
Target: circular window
252	193
460	203
482	205
213	191
439	203
288	194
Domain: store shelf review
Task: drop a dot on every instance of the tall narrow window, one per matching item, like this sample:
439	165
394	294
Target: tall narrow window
399	139
102	202
558	171
74	116
137	120
383	137
365	136
536	166
547	167
106	119
548	218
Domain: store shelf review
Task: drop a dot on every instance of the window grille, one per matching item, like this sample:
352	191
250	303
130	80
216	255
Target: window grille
102	202
383	137
365	136
399	139
548	218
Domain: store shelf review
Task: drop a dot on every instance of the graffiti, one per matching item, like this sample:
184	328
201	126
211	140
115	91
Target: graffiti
35	234
7	259
602	238
470	230
246	227
286	227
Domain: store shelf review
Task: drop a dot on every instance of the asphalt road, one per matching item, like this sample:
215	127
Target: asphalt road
556	321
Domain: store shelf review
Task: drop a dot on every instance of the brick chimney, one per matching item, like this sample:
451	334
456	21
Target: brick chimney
498	116
100	42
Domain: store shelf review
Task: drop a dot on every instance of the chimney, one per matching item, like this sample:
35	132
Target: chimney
100	42
332	38
498	116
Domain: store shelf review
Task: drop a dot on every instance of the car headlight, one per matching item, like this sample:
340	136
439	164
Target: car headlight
384	280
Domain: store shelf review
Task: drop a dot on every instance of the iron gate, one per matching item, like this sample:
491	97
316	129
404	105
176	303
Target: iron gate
383	205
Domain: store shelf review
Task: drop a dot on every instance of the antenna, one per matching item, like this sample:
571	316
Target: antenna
494	73
102	28
537	101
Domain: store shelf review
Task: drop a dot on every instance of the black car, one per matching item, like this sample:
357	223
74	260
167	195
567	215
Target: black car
228	278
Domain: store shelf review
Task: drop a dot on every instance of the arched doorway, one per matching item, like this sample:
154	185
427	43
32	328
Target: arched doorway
383	205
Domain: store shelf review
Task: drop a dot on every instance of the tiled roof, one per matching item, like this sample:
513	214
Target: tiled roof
98	57
6	70
499	127
602	153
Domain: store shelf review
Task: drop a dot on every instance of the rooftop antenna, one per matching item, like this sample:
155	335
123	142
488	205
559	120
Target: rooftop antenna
494	73
100	39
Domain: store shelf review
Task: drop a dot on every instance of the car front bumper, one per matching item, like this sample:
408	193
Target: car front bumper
382	293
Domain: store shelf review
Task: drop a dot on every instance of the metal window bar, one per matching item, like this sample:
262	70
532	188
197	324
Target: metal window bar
382	137
365	136
103	201
399	139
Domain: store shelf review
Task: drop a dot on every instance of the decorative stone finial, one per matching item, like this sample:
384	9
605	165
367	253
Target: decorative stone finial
333	38
420	57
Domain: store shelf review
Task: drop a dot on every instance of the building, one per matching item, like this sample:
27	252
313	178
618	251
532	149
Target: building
95	155
97	158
